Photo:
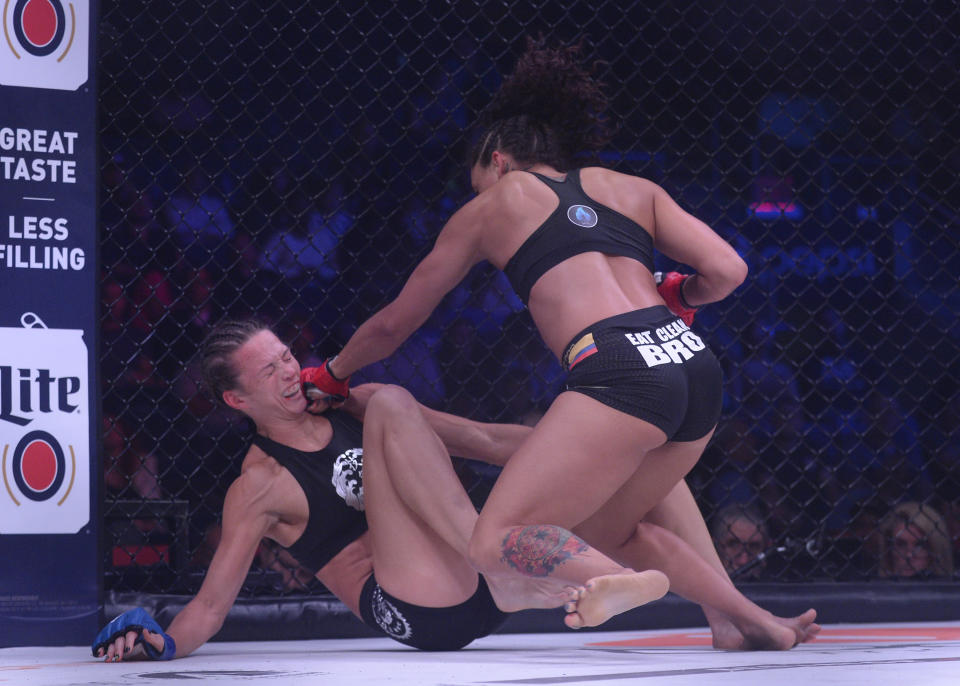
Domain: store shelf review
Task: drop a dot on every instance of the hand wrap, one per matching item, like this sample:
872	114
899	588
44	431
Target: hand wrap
670	288
319	383
137	620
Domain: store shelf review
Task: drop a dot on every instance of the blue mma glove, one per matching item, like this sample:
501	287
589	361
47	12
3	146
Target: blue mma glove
137	620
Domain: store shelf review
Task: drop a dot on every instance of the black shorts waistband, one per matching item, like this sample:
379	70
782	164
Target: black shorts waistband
583	344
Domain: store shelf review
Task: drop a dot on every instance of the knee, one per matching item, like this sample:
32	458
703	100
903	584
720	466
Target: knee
390	403
649	538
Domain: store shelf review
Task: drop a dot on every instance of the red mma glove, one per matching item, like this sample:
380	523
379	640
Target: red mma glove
670	288
320	383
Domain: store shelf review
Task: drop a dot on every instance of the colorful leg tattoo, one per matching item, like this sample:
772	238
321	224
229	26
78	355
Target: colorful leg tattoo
537	550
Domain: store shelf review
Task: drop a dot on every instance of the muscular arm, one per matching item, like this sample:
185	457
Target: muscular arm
245	521
454	253
684	238
486	442
492	443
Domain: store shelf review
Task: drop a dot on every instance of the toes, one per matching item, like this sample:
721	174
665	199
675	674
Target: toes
573	620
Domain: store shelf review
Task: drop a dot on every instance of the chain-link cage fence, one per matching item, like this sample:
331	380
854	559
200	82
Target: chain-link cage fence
295	160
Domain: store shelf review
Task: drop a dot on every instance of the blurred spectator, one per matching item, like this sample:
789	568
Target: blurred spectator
120	346
914	543
307	248
126	467
199	219
740	535
130	473
240	293
731	460
298	331
414	366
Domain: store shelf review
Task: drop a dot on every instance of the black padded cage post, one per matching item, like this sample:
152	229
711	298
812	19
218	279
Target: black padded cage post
295	161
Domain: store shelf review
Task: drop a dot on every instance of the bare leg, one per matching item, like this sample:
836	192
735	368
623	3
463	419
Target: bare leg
577	457
415	562
421	517
678	512
692	578
702	580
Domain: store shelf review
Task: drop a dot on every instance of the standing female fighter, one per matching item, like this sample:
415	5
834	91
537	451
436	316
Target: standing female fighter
643	391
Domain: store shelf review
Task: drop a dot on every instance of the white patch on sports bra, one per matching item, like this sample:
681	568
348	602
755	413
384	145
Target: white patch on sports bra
348	477
581	215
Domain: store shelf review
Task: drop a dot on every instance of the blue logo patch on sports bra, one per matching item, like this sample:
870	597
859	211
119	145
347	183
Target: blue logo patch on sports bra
581	215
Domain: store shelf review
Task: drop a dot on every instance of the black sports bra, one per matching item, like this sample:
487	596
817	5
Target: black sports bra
578	225
332	479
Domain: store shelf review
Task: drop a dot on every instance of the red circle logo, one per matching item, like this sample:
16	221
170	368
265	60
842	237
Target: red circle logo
39	25
38	465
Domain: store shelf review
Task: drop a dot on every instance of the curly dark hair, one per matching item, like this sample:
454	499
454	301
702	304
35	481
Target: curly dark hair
548	110
216	363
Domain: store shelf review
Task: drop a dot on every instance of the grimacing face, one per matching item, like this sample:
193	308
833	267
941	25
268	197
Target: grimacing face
269	378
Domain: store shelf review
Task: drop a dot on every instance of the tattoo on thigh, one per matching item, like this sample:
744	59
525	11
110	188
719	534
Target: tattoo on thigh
537	550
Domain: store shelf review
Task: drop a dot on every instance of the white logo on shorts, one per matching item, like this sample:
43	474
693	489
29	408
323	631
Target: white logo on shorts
677	344
389	618
348	477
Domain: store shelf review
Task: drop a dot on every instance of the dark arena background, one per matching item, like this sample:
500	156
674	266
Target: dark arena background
295	160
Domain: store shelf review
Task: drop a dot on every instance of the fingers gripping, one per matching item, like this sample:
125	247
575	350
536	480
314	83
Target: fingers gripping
129	629
322	388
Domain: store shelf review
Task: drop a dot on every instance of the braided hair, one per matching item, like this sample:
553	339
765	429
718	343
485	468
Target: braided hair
216	353
547	111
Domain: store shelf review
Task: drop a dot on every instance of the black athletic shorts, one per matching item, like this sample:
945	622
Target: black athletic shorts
649	364
430	628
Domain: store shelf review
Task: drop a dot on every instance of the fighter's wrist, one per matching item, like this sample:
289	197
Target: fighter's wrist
682	297
169	648
332	373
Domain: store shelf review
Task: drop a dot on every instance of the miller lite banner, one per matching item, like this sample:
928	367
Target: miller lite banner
50	470
44	430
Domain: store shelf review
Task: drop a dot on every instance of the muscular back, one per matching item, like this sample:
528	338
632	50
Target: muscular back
585	287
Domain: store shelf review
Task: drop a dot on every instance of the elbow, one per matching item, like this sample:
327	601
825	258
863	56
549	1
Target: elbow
726	275
736	272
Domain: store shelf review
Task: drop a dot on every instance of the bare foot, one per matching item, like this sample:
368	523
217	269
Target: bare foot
605	596
726	636
803	625
513	593
781	633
